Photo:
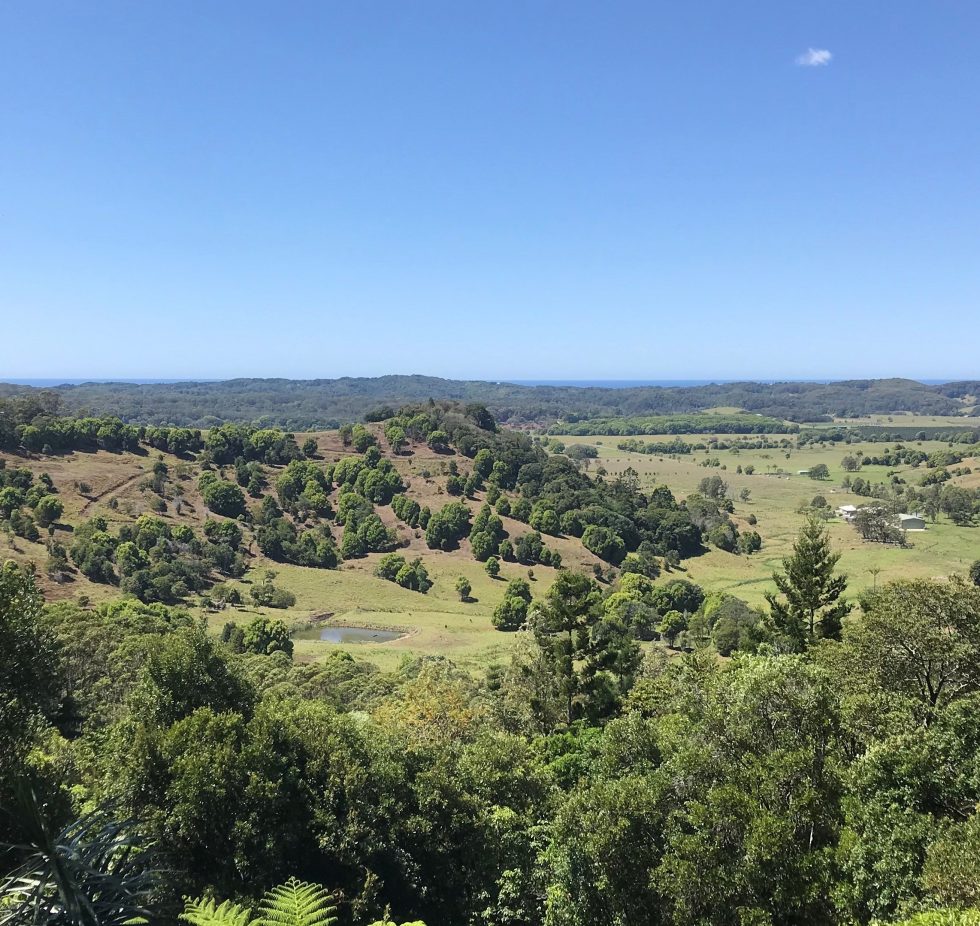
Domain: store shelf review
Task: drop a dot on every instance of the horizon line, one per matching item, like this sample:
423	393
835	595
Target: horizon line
55	381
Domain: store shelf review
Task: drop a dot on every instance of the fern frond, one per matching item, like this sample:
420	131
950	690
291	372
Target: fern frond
208	913
297	903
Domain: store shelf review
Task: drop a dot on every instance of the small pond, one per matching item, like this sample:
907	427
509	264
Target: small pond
347	634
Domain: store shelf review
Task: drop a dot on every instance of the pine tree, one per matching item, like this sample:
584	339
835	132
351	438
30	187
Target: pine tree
812	606
592	659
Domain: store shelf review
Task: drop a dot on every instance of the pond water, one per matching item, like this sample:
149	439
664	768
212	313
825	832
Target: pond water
347	634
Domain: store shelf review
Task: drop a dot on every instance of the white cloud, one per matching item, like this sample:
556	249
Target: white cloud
814	58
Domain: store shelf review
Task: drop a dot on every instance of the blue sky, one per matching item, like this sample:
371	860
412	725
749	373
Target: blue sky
489	190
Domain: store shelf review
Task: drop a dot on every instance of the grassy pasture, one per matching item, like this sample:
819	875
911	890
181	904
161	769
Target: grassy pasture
438	623
941	550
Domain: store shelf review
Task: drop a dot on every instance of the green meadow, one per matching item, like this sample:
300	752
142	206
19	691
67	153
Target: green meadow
437	623
775	500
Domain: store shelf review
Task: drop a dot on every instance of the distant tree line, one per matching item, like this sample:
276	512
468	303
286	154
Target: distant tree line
677	424
320	404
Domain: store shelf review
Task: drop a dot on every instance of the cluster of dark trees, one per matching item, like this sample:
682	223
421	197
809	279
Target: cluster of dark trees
677	424
282	540
884	435
900	455
878	523
19	491
32	422
827	778
156	560
371	475
411	575
230	442
364	531
552	495
294	529
261	635
303	489
410	511
447	526
681	447
611	518
660	448
511	613
50	435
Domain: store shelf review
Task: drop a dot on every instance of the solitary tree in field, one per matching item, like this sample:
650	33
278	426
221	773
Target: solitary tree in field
875	571
439	441
672	624
810	604
48	510
464	588
396	437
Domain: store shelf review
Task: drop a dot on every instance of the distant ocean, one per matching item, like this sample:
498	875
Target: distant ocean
598	383
77	382
616	383
633	383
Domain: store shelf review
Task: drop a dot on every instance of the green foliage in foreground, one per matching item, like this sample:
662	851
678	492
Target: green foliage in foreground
294	903
944	918
574	784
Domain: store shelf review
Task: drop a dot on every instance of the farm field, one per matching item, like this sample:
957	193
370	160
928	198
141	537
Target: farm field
775	499
436	623
908	421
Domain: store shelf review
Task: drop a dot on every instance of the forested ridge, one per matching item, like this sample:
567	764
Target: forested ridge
326	403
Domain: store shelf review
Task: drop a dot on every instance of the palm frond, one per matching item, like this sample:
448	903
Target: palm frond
208	913
94	872
297	903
